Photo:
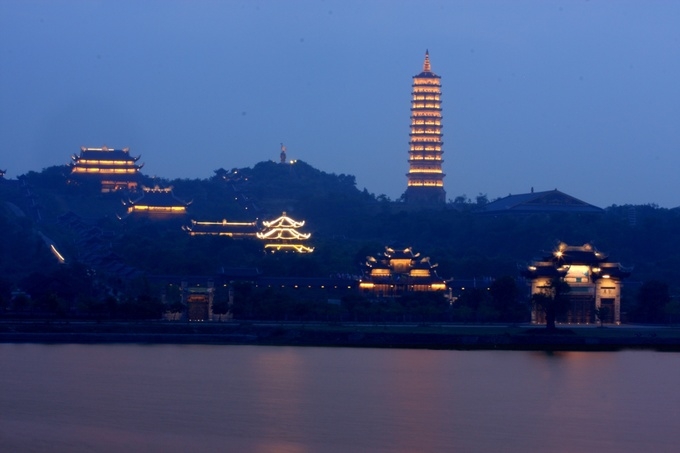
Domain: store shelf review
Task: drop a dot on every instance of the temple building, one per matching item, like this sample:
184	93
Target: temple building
157	203
594	281
223	228
282	234
199	301
397	271
114	169
425	176
540	202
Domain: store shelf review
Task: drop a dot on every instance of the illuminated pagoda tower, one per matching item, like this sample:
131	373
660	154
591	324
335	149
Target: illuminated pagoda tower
282	234
425	176
115	169
397	271
594	281
157	202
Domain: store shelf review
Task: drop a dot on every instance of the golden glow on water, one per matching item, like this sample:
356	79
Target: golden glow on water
77	398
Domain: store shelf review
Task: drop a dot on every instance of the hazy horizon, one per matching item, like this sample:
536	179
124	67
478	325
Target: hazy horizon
578	96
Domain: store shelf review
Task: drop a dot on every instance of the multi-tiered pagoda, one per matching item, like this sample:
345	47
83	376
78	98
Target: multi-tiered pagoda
397	271
281	234
425	176
115	169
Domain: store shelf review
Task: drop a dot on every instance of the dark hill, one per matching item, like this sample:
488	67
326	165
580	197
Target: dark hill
346	225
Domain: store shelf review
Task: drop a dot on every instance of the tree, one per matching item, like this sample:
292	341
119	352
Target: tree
672	309
471	304
554	301
505	298
602	312
652	297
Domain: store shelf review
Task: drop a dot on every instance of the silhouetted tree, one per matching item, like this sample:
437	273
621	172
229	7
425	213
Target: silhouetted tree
554	301
652	297
602	313
505	298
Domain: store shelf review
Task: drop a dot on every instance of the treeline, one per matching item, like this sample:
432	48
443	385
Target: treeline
74	292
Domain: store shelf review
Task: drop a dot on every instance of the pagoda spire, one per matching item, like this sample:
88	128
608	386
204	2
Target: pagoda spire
426	63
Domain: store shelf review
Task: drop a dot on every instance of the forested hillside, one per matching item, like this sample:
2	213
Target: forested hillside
346	223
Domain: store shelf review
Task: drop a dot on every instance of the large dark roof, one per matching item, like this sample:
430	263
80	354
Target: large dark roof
548	201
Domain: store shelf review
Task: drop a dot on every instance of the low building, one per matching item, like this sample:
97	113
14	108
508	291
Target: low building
222	228
594	281
114	169
198	300
158	203
397	271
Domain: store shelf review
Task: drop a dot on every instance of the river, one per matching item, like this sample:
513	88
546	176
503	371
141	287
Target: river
166	398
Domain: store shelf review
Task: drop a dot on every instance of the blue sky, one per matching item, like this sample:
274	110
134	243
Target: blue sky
582	96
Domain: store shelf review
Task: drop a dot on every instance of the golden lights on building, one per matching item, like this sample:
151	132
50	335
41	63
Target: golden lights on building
281	234
198	301
157	202
222	228
595	283
115	169
425	176
397	271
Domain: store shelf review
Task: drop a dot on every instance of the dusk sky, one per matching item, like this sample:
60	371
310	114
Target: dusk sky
582	96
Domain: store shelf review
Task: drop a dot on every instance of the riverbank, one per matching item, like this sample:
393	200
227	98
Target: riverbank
434	336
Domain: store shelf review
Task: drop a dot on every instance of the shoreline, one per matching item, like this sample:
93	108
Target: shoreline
410	336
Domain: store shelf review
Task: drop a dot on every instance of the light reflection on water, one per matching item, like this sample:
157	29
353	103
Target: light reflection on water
74	398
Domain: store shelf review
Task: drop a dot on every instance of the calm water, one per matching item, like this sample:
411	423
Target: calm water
74	398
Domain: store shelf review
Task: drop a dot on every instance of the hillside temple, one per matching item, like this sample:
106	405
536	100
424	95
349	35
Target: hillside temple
114	169
281	234
157	202
425	175
222	228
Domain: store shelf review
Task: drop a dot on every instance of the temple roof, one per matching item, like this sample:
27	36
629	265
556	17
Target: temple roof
399	253
384	262
558	262
548	201
157	196
282	234
105	153
223	228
